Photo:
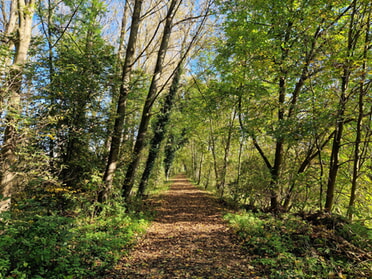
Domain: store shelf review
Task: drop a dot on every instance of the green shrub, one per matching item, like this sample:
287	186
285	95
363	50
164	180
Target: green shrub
34	246
357	234
289	247
246	225
100	243
52	246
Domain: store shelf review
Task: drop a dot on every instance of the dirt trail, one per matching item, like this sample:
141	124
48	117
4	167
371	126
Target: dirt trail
188	239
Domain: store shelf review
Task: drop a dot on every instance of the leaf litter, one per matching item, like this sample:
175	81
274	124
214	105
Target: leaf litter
187	239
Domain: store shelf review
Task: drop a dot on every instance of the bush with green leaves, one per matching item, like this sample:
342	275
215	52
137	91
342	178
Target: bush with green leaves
246	225
53	246
35	246
289	247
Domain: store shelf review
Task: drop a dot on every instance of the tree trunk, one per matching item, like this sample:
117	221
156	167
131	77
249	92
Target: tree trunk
150	99
311	155
159	131
169	151
358	137
8	37
241	145
339	126
10	142
118	72
122	32
212	147
122	103
200	168
357	155
334	162
222	183
278	159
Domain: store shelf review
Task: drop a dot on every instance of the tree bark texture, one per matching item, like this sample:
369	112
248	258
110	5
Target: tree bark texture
358	150
339	125
150	99
160	130
122	103
25	11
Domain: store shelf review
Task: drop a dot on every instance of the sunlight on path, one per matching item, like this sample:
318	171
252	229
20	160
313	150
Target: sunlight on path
188	239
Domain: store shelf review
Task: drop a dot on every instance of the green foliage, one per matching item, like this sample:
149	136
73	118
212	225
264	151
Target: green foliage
252	184
52	246
279	65
289	247
357	233
246	224
35	245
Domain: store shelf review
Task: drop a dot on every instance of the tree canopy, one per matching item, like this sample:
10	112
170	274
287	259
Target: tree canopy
267	103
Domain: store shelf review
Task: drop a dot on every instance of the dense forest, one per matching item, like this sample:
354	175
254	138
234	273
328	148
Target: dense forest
268	104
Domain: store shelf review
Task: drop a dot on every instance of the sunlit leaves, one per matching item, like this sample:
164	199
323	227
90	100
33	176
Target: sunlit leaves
285	62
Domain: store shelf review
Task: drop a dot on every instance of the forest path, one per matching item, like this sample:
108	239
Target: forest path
188	239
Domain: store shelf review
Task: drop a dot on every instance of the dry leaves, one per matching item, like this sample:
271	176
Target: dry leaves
188	239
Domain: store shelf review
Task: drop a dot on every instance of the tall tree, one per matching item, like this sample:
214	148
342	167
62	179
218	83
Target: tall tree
347	62
359	148
150	99
90	59
54	27
288	45
161	123
159	130
8	25
122	102
24	10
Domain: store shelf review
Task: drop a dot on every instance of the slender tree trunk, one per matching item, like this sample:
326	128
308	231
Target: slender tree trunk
169	151
213	147
51	73
226	154
150	99
241	145
357	157
122	103
123	27
10	142
334	162
278	159
160	131
200	168
311	155
208	177
358	137
194	161
118	72
336	146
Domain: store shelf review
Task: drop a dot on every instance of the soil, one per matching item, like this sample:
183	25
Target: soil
187	239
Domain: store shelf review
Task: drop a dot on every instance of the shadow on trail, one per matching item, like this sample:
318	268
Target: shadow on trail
188	239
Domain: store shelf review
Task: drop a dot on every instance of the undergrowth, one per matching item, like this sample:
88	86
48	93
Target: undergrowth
37	245
291	247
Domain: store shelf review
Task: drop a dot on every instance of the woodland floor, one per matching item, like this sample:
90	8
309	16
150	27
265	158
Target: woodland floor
187	239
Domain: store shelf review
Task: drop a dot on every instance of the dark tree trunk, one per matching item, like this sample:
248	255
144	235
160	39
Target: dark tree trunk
222	183
169	151
159	131
122	103
334	162
339	126
278	159
150	99
357	160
